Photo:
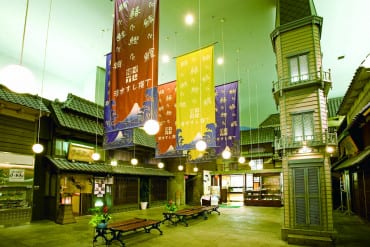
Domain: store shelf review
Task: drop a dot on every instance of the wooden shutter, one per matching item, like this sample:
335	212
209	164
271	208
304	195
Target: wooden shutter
307	196
125	190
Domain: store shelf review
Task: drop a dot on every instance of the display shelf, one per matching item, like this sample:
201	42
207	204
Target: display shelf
263	197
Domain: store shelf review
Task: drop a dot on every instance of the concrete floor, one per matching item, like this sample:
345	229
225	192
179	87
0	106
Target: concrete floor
244	226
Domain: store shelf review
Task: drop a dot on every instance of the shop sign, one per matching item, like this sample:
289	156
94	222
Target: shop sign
80	153
16	175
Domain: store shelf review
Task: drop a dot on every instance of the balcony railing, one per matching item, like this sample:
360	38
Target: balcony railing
308	140
318	76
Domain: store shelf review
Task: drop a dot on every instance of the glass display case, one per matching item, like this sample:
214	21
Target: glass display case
16	190
14	197
264	190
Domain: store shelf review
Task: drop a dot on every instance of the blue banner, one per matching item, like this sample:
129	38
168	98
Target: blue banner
227	116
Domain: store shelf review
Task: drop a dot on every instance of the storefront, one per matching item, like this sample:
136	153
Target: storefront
251	188
16	188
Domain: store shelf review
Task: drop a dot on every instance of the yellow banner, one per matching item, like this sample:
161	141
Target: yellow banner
195	99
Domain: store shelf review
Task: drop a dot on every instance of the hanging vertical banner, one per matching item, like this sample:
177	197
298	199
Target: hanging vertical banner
132	95
195	102
166	137
227	116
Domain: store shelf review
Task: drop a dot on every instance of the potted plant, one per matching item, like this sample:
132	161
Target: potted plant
100	217
144	192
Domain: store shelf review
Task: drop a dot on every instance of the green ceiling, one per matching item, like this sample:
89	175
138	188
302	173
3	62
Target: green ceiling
80	35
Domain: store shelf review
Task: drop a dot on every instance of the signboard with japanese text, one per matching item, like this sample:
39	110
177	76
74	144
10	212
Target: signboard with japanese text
195	99
227	116
131	96
166	137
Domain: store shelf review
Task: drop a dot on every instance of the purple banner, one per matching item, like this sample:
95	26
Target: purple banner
227	116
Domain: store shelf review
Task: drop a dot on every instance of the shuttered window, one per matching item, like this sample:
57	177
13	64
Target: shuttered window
158	189
125	190
307	196
303	126
298	68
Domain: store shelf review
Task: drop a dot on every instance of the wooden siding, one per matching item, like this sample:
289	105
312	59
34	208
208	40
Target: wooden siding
362	99
16	135
299	101
323	113
279	57
296	42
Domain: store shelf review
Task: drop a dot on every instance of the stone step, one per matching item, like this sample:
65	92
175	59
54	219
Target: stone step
309	240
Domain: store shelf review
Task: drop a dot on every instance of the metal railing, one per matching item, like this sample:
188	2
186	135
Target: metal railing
317	76
307	140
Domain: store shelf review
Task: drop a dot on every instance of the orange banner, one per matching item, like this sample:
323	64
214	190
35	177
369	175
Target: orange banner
166	137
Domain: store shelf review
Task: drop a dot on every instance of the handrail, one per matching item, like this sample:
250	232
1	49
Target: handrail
319	75
308	140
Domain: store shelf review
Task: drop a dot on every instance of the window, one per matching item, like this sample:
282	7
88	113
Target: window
307	196
61	147
298	68
256	164
303	126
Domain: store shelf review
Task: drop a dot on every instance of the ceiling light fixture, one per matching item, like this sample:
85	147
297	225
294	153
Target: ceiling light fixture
113	162
96	155
134	161
38	147
241	159
180	167
189	19
226	154
200	145
160	165
17	74
330	149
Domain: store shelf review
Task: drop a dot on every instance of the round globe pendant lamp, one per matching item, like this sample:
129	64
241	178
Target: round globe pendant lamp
151	127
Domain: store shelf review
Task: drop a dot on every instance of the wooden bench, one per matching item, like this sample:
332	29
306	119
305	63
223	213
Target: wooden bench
116	229
184	214
212	208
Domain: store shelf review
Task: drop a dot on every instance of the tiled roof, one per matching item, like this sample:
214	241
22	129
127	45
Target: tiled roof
27	100
76	120
292	10
66	165
333	106
137	170
271	121
360	78
259	135
143	139
83	106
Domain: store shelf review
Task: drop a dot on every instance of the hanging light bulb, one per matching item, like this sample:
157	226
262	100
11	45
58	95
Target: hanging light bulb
151	127
16	75
201	145
37	148
180	167
134	161
113	162
160	165
241	160
195	169
95	156
226	154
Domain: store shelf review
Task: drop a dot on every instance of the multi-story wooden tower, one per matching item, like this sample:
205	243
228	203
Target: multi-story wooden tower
301	94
